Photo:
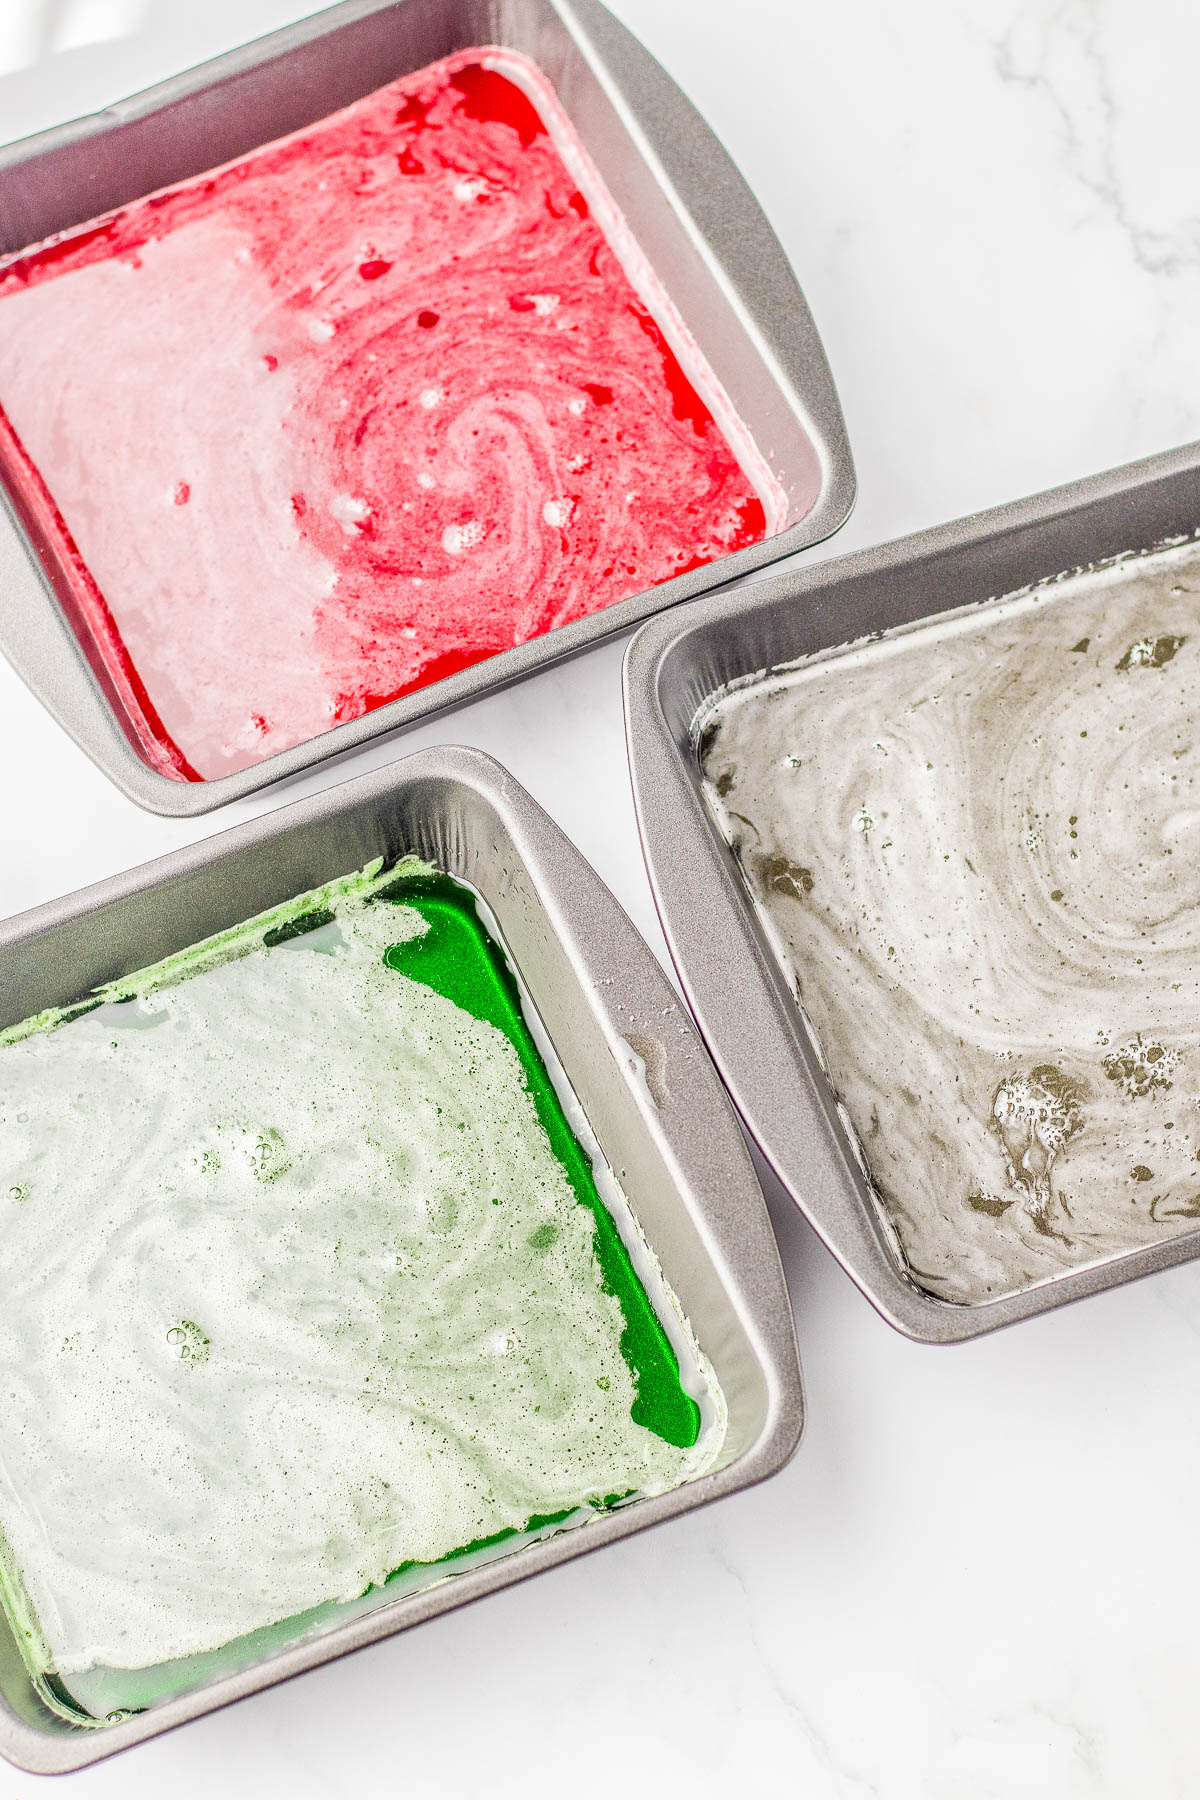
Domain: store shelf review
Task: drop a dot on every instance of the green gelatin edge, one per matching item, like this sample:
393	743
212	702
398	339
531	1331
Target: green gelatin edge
458	959
119	1693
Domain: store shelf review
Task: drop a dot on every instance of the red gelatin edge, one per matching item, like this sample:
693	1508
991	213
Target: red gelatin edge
356	411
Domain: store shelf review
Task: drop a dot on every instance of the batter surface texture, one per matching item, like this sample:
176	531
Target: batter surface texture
306	1281
367	406
976	846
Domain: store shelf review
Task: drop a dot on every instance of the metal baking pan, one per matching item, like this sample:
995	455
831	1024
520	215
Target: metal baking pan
734	983
629	1051
685	202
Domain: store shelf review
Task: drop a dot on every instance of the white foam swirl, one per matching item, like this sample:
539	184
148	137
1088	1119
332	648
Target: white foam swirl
975	843
296	1291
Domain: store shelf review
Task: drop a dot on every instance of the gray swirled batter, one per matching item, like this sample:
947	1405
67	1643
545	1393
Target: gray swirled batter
976	842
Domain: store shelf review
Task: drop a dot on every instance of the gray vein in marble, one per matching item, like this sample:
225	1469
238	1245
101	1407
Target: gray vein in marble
1069	68
850	1784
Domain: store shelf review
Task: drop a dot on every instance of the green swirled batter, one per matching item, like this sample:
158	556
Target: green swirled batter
306	1280
976	844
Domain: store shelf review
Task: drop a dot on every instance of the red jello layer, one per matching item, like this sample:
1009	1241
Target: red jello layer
363	408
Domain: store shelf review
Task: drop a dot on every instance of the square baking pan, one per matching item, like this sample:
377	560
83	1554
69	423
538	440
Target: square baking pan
680	194
738	990
628	1049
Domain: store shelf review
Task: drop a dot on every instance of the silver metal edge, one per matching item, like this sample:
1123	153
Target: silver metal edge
735	986
698	1134
713	201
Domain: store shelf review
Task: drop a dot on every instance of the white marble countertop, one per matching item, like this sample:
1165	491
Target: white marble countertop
975	1581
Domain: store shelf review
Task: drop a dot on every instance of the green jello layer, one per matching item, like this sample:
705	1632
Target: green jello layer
275	1180
458	958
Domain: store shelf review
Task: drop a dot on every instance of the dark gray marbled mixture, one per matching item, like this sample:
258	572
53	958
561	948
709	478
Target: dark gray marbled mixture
976	844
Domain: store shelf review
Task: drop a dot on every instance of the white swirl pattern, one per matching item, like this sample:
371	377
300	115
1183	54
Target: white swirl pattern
296	1290
976	842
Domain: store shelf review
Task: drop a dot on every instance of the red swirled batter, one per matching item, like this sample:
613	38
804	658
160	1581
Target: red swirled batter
356	411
